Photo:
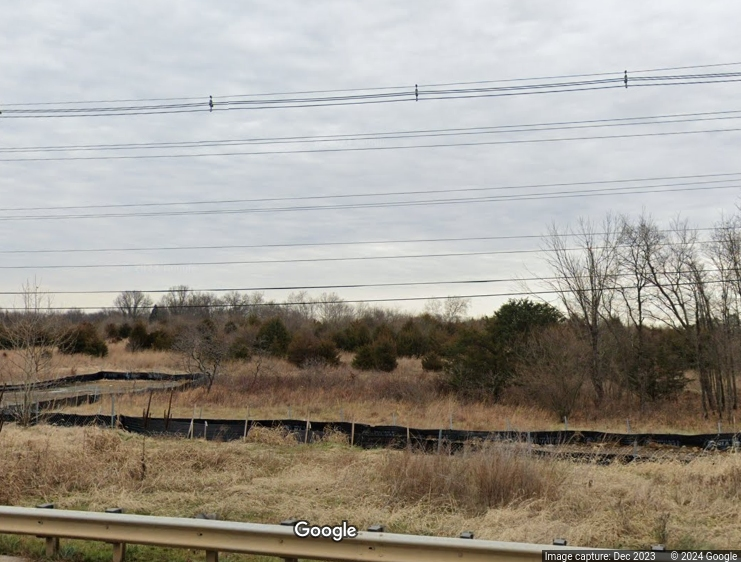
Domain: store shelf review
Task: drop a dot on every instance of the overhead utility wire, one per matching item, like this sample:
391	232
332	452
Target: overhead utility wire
615	191
334	286
21	112
310	244
353	301
397	193
666	119
379	88
368	148
288	260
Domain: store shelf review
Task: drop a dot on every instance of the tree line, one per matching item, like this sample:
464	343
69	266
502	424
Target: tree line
637	313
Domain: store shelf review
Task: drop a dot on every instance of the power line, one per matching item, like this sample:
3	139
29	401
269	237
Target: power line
379	88
23	111
299	260
367	148
398	193
332	286
321	244
394	135
222	306
282	304
299	287
253	262
301	244
614	191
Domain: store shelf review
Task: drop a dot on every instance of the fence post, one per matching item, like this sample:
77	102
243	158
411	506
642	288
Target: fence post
439	441
627	424
565	423
352	434
205	431
113	410
212	556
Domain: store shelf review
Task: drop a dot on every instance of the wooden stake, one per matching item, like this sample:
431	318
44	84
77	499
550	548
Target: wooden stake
352	434
169	410
146	415
113	411
306	433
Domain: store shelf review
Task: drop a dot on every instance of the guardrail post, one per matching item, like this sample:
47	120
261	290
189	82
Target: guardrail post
119	551
52	543
290	523
211	555
119	548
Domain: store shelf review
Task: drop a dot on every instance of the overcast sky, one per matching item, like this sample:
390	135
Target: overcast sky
85	50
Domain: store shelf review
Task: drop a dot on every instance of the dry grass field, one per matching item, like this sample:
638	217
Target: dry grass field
408	395
500	493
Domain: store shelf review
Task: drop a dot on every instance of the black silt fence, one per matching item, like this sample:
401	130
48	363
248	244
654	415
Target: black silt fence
104	375
370	436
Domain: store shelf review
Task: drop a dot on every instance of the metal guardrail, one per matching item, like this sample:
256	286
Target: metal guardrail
251	538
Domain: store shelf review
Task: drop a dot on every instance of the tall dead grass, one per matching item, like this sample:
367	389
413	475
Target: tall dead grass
474	482
269	388
500	494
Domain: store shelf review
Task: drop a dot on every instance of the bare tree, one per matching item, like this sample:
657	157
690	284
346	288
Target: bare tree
683	300
133	304
332	310
32	333
176	299
204	349
303	305
639	243
554	367
725	254
584	263
450	309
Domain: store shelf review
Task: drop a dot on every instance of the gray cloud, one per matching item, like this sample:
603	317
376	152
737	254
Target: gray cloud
91	51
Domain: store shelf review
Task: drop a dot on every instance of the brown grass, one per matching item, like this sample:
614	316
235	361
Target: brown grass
473	482
408	395
522	498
